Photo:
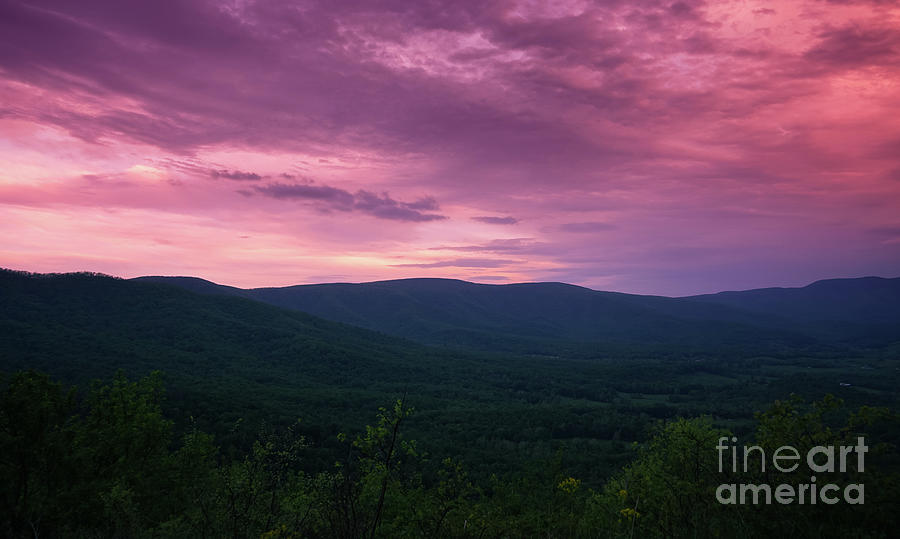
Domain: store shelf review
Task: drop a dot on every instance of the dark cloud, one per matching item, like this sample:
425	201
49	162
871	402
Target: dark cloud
496	220
336	198
855	46
385	207
424	203
333	198
275	75
495	246
235	175
197	167
586	227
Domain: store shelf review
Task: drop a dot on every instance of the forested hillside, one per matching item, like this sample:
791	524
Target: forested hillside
109	465
536	442
562	319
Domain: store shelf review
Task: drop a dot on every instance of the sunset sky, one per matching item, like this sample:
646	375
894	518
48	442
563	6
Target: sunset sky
642	146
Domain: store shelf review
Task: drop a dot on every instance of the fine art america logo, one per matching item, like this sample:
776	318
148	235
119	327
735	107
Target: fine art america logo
787	459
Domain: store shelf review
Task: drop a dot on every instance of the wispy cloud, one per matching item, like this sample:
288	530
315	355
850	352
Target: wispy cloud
500	245
235	175
377	205
588	227
460	263
496	220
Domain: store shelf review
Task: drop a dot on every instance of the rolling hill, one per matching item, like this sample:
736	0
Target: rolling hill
229	358
546	318
863	301
225	357
232	364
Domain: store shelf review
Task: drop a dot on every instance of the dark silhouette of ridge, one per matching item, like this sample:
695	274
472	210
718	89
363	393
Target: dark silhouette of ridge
505	317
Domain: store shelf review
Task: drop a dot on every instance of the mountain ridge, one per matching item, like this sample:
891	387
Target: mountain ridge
453	312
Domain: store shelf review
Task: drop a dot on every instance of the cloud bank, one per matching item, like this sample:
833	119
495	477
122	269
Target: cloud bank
756	138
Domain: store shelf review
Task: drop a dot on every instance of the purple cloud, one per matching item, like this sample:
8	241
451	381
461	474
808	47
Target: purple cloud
385	207
235	175
496	220
586	227
854	46
501	245
332	198
336	198
681	122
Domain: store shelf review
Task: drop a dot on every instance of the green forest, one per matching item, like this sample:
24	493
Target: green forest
140	409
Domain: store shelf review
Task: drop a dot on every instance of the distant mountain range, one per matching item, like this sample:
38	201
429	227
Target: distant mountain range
546	318
314	351
74	322
561	369
865	301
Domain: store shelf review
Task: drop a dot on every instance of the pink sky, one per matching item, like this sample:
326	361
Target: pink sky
641	146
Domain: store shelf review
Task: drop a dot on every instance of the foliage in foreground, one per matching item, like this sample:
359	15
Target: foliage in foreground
108	465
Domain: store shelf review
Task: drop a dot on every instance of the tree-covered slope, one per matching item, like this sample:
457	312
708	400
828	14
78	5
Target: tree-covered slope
865	309
864	300
545	318
229	358
224	357
149	323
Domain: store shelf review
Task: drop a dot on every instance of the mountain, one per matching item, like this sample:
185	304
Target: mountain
232	360
538	318
228	358
543	317
866	308
222	352
867	300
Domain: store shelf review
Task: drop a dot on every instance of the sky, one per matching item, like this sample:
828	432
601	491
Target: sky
643	146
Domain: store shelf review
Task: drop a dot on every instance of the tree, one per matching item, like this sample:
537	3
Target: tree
35	437
669	489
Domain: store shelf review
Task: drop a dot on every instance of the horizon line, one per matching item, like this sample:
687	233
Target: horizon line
102	274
